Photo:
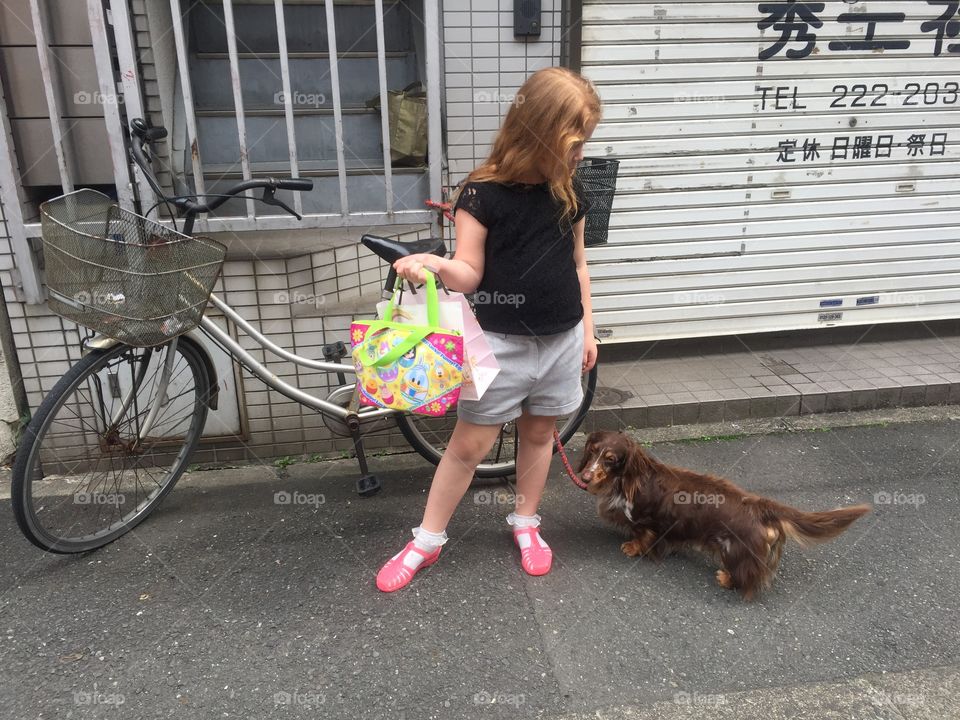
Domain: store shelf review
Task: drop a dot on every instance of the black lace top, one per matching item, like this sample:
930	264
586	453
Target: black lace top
530	284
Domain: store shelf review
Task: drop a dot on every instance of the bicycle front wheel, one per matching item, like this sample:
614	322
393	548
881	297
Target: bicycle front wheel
108	443
429	436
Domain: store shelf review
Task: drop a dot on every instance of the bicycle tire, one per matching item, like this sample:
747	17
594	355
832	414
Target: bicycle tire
36	430
433	454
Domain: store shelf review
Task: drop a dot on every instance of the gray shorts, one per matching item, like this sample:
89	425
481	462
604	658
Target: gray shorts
539	374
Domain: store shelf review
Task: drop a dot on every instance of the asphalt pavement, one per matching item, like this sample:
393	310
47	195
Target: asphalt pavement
250	593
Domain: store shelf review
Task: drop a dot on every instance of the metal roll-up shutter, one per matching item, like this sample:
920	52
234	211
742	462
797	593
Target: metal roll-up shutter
782	165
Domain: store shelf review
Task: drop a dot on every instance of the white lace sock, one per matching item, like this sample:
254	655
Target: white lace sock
522	521
426	541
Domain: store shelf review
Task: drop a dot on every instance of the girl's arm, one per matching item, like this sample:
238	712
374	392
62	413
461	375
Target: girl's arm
580	256
461	273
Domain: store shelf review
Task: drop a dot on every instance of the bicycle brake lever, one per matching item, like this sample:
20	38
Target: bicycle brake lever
270	198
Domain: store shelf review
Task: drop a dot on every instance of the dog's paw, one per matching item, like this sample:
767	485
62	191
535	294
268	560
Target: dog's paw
724	580
633	548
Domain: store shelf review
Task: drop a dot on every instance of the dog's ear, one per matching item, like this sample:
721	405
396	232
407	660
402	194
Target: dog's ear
637	470
637	463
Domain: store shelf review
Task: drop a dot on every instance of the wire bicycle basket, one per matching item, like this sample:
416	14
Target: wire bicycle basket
599	179
122	275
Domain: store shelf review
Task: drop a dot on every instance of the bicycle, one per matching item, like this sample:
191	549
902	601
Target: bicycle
116	432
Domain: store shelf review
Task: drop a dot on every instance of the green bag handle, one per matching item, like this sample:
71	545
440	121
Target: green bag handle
433	305
417	332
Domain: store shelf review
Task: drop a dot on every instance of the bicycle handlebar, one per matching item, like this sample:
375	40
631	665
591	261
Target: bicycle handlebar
270	185
301	184
141	134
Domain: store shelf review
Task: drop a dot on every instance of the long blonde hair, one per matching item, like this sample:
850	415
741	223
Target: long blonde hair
553	111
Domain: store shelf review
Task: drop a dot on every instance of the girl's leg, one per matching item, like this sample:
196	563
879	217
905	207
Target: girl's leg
468	446
533	460
533	464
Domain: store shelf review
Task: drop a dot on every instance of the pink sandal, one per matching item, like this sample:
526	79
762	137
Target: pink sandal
396	574
536	557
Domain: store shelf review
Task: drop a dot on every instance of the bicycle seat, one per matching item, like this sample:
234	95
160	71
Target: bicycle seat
393	250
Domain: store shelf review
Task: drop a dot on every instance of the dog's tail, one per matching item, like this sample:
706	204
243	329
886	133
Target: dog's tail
808	528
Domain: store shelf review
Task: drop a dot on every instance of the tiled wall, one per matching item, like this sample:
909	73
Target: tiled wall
484	66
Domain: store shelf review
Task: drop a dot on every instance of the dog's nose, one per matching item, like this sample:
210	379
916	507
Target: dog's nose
586	476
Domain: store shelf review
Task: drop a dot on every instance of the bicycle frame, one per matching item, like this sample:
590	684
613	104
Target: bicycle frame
219	335
224	340
161	393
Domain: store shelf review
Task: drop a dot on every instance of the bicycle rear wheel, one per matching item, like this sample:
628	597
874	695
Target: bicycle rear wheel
429	436
108	443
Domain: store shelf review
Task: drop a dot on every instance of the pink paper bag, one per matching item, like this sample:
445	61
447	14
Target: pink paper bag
480	365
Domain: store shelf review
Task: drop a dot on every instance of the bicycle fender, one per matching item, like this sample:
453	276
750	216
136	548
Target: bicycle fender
98	342
214	397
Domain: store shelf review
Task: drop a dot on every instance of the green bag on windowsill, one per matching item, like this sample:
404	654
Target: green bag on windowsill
407	114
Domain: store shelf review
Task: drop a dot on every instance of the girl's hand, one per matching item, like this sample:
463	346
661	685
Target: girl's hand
589	353
411	267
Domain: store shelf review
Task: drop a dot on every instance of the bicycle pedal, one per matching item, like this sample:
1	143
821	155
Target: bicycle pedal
368	486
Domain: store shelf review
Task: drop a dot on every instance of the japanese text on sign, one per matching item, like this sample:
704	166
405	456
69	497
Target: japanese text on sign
797	21
861	147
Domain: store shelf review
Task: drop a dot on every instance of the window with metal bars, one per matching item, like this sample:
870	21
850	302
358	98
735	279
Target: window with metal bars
305	52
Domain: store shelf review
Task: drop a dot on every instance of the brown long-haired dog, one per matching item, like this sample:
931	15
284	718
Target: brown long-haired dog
664	507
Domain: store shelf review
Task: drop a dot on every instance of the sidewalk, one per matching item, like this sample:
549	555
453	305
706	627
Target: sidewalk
229	603
683	382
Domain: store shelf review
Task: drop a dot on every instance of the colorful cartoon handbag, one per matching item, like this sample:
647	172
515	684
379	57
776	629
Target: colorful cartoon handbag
414	368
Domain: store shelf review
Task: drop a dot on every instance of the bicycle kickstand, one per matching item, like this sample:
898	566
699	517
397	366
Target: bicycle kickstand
368	484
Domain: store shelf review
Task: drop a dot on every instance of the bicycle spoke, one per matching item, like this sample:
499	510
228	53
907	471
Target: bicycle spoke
157	423
169	408
92	427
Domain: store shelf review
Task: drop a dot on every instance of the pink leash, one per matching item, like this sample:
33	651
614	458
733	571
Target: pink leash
566	463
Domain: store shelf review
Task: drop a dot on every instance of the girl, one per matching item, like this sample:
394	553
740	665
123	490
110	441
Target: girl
519	233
